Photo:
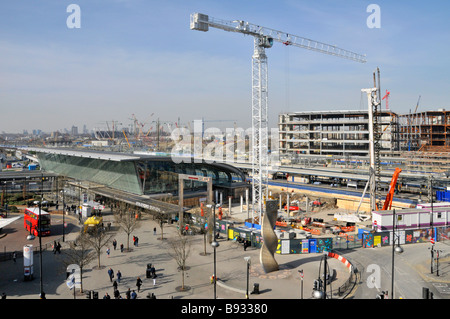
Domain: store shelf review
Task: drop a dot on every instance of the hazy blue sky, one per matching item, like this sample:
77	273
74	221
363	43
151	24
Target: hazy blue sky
140	57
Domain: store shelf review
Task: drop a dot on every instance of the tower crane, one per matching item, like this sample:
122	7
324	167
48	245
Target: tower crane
263	39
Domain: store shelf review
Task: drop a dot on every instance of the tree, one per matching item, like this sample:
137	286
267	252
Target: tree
180	251
98	239
161	218
125	217
80	253
204	232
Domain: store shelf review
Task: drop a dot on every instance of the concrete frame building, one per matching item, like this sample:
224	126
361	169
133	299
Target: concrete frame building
342	133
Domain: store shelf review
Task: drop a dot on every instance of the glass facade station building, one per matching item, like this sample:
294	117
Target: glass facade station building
140	174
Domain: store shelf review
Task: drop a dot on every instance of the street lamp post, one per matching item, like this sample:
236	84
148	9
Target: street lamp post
214	244
42	294
5	188
325	254
248	260
301	283
320	286
437	262
432	257
395	249
63	213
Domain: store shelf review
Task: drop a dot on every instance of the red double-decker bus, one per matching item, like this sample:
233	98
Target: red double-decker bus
32	216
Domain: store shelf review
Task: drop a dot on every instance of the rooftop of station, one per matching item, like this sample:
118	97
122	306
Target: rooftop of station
103	155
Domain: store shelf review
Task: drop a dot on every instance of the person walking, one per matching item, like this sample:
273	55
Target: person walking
154	231
119	275
108	251
138	283
114	244
128	294
121	248
111	274
153	271
115	285
133	295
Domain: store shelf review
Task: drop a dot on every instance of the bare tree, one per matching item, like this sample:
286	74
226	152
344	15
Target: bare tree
125	217
79	253
204	232
98	239
180	248
162	219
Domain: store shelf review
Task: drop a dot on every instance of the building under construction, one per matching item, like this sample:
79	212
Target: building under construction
425	140
342	133
425	131
421	140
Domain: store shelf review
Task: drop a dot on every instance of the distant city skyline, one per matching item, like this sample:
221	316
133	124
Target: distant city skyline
137	58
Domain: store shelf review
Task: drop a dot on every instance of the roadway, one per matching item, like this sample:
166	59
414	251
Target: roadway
411	271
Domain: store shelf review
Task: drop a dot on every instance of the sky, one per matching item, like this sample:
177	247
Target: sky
139	58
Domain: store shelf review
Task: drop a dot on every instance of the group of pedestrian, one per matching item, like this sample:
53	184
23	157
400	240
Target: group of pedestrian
114	243
116	292
135	241
111	274
153	274
129	294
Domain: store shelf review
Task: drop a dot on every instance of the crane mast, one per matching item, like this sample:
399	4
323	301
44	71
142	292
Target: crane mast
263	39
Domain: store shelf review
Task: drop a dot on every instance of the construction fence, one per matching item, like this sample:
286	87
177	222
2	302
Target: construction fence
363	239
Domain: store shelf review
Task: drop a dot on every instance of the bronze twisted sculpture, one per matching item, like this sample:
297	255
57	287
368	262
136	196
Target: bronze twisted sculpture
270	240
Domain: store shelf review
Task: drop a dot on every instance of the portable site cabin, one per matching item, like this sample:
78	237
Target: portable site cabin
411	218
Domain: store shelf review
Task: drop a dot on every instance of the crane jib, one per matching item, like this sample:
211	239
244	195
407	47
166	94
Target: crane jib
202	22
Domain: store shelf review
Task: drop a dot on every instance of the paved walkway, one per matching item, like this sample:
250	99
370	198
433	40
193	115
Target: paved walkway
230	264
